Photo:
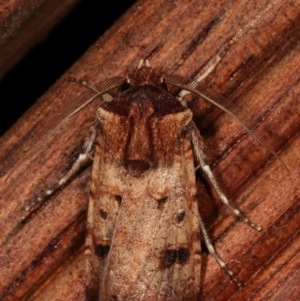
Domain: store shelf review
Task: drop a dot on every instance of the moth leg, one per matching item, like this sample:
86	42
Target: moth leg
82	159
198	148
214	253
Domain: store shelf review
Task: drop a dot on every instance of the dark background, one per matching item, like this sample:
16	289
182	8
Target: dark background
50	59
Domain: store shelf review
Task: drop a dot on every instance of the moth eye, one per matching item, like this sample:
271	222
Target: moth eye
125	87
102	250
103	213
164	86
161	202
180	215
118	198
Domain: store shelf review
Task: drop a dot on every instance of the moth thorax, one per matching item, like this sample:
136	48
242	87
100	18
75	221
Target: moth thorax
138	150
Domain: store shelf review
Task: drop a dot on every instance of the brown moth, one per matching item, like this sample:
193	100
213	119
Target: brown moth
143	227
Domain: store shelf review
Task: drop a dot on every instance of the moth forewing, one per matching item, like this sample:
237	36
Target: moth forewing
143	228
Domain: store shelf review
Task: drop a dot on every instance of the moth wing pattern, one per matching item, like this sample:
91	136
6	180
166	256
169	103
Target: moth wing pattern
143	237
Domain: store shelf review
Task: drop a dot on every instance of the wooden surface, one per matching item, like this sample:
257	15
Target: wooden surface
23	24
252	50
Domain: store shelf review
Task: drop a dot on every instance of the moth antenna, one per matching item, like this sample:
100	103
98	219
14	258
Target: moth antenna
220	102
77	105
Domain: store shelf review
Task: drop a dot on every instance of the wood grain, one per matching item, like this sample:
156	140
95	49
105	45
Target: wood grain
253	51
23	24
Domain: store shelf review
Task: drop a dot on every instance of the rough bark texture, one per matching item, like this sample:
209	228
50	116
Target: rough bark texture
253	50
23	24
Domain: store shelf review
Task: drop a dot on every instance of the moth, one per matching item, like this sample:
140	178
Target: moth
143	224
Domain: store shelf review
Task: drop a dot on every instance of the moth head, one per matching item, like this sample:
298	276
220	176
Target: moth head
144	75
